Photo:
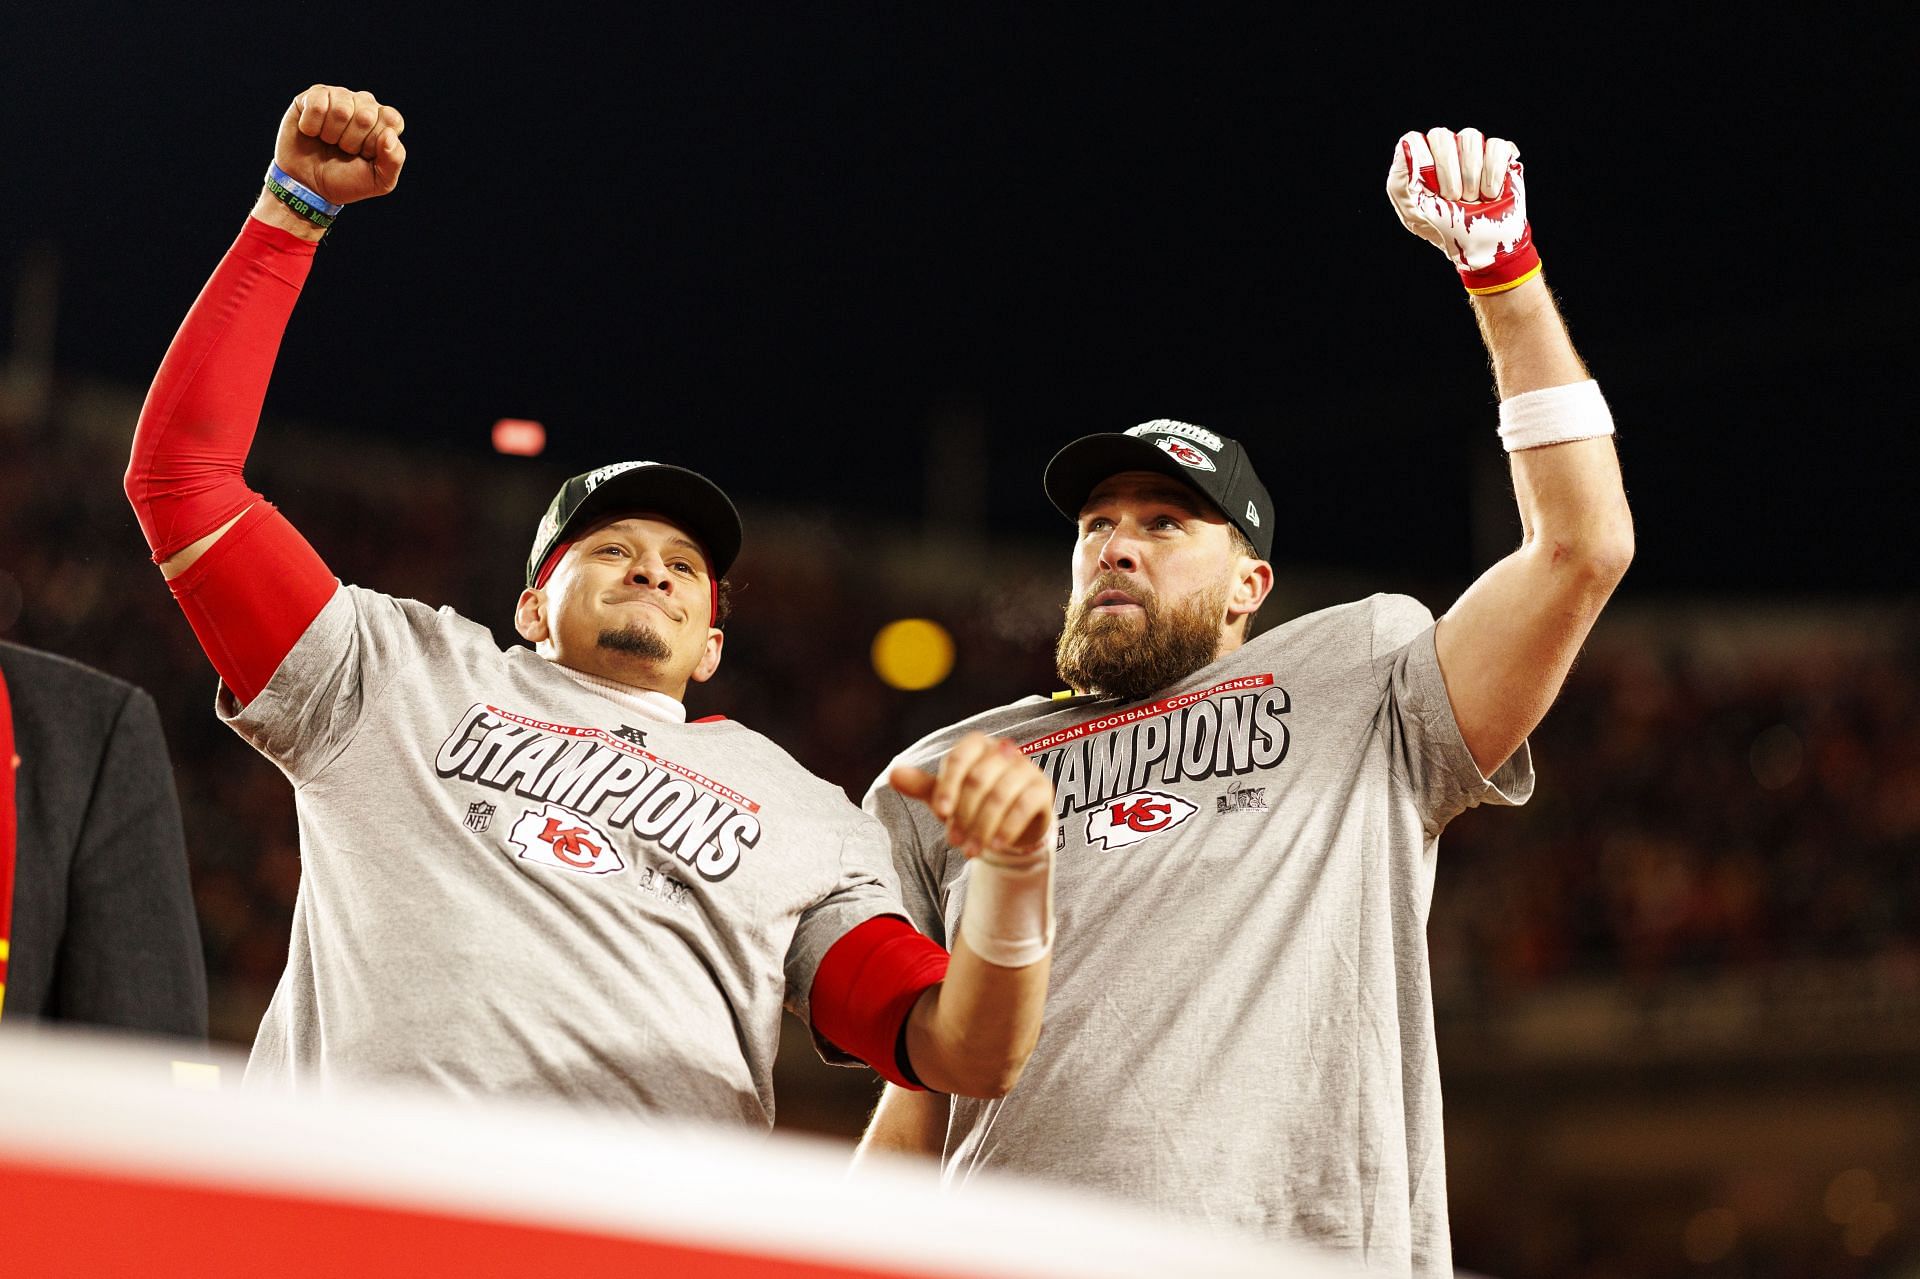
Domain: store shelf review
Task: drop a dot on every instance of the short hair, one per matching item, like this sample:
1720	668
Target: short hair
722	601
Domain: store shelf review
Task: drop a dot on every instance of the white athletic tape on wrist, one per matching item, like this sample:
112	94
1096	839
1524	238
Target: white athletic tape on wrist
1008	918
1555	415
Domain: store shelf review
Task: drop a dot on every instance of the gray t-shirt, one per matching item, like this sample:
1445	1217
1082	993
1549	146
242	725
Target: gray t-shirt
512	884
1240	1023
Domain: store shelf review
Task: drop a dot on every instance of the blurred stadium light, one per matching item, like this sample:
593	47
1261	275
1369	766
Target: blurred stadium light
913	653
519	437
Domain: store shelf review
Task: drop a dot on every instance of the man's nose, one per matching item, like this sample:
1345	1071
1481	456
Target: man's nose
651	570
1119	553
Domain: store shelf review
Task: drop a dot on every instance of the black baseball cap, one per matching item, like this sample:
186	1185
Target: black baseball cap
1212	465
687	498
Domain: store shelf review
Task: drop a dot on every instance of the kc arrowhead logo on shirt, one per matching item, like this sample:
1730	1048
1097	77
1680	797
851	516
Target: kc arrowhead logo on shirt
555	836
1127	820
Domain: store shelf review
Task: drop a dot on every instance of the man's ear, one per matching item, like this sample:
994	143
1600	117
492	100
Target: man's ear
710	659
530	617
1250	588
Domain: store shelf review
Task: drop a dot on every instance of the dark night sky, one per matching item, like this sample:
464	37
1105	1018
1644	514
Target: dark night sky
774	243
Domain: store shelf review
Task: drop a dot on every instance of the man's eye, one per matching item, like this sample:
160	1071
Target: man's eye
1098	525
1166	521
681	566
617	550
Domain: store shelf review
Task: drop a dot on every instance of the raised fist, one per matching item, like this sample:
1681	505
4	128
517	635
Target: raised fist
995	802
1466	194
343	145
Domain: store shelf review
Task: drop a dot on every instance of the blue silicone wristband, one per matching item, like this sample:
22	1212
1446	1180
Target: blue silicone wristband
312	197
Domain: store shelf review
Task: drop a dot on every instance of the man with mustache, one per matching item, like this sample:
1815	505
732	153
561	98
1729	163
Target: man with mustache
1240	1027
525	871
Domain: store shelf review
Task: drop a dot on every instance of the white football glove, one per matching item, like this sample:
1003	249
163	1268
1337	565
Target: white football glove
1467	195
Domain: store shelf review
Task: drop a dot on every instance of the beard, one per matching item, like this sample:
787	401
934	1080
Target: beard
1127	657
635	640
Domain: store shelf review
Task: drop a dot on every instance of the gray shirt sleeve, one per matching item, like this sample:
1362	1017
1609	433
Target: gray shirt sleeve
1426	746
316	701
865	891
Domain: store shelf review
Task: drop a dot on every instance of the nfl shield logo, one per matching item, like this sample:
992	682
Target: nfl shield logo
479	817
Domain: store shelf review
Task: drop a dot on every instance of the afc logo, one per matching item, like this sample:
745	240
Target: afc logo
554	836
1126	820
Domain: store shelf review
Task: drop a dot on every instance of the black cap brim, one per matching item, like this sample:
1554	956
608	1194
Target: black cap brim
675	494
1079	468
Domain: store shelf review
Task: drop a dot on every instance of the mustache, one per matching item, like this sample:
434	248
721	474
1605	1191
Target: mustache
1111	580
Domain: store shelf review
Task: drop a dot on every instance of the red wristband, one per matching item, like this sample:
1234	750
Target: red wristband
1509	271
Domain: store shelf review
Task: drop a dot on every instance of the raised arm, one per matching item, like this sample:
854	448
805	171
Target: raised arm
185	478
1506	645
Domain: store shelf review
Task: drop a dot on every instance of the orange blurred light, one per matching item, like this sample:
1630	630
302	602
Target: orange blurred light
519	437
913	653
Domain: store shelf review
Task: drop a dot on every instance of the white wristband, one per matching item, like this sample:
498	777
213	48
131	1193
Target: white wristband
1008	918
1554	415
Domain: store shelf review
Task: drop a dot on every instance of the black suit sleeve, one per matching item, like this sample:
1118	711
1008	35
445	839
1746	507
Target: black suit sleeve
130	955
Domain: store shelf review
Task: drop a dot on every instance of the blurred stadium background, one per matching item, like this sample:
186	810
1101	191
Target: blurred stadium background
867	272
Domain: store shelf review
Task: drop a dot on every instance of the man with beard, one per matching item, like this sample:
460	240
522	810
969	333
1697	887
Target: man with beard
1240	1027
525	871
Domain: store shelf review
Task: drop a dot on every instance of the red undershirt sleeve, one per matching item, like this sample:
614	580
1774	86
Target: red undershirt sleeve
256	591
867	984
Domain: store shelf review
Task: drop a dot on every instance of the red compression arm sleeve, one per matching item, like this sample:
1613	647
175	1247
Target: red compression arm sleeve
256	591
867	983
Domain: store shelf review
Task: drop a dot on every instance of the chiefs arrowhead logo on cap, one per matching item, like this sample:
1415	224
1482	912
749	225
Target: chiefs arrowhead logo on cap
1185	454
